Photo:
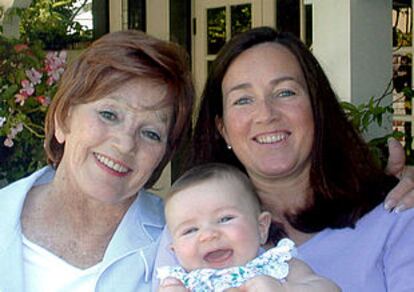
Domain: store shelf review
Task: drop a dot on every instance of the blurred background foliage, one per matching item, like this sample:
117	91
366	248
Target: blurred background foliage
30	68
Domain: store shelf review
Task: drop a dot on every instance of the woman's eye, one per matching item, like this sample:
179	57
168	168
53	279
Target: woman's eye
286	93
108	115
189	231
152	135
243	101
225	219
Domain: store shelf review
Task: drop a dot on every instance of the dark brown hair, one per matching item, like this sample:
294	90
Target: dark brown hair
346	183
108	64
207	171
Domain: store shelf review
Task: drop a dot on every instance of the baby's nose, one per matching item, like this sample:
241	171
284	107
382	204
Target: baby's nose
209	234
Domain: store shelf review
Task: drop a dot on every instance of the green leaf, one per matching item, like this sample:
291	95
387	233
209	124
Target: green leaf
347	106
9	92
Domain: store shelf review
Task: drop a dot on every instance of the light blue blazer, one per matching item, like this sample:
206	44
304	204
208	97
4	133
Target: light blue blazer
128	261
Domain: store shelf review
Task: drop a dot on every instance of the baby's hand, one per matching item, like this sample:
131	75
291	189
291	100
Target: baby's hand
172	285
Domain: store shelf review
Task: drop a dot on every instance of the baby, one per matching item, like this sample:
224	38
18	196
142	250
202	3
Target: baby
217	229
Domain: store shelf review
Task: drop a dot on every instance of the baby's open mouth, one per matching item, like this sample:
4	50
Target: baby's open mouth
218	257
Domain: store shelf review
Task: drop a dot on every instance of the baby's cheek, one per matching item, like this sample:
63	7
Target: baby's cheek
186	255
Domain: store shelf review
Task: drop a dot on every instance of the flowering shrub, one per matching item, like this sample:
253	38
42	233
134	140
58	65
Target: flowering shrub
53	23
28	81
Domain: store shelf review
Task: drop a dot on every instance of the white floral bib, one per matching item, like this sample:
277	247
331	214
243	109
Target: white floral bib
272	263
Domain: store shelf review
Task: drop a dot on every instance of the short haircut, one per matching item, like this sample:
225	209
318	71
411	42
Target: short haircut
208	171
110	62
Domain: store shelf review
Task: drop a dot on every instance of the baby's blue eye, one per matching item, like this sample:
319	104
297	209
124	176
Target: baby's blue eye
108	115
189	231
152	135
225	219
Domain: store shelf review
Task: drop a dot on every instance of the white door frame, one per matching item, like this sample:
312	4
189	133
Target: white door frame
263	13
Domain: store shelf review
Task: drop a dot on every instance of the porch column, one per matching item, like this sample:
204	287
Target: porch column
158	18
353	42
11	23
115	15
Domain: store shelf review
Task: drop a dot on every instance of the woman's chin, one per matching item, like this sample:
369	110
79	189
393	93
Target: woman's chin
279	170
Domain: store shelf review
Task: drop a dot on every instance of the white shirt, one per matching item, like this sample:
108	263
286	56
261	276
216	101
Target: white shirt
44	271
128	261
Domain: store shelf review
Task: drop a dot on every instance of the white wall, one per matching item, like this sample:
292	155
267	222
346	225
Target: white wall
331	42
6	4
353	42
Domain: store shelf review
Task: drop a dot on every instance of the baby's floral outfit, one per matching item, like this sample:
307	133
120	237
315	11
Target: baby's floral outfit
271	263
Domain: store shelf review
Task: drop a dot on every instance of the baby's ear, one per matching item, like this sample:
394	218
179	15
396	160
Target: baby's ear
171	247
264	220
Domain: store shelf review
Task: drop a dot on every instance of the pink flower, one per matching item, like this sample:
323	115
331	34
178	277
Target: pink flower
54	66
55	75
43	100
50	81
27	89
20	47
55	60
20	98
34	76
8	142
15	130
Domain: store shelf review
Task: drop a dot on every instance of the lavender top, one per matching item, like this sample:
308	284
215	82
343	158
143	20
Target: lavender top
378	255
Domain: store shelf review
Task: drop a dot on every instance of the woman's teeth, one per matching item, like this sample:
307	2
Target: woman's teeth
268	139
111	164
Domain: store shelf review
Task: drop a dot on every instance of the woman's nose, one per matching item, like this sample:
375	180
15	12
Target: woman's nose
266	111
126	141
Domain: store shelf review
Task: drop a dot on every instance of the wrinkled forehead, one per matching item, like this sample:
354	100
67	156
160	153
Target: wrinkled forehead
149	94
116	81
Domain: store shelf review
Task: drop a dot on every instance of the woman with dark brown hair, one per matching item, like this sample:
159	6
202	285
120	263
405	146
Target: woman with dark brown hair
86	223
269	109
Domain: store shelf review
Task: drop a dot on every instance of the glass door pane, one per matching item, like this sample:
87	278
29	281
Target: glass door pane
216	21
288	16
241	18
216	29
218	32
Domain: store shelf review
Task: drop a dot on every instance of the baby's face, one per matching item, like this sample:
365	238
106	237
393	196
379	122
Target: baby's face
214	224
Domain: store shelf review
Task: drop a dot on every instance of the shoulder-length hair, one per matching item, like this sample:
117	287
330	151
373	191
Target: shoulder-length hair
107	65
345	181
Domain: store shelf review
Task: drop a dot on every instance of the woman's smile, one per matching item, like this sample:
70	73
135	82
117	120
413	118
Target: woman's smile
272	138
112	166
